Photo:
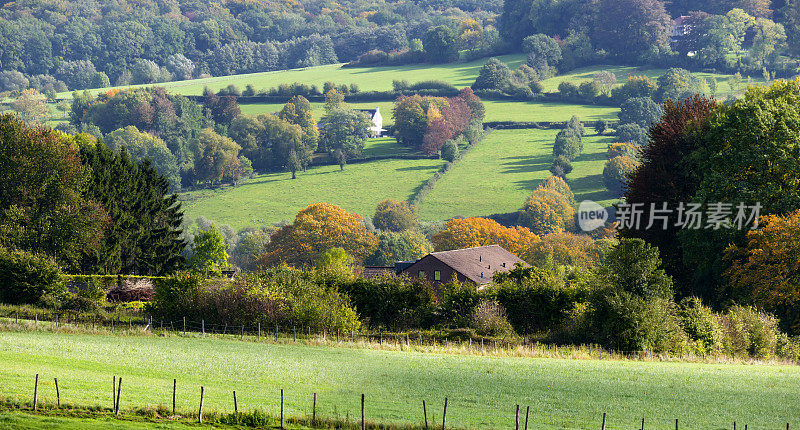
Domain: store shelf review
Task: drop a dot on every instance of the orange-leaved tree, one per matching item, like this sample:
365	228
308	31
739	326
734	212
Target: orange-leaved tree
316	229
472	232
766	271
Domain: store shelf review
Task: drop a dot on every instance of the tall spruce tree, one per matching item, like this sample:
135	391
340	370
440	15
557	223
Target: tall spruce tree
143	235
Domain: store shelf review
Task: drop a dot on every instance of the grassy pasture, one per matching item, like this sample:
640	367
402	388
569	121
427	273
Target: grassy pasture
501	172
623	72
19	420
496	110
563	394
269	198
367	78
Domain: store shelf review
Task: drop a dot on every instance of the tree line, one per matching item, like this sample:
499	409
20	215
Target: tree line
78	45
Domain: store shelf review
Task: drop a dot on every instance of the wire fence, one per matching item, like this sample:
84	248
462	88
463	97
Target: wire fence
311	407
422	341
177	402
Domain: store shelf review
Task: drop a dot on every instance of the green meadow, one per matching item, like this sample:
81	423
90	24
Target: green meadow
270	198
482	390
367	78
496	110
499	174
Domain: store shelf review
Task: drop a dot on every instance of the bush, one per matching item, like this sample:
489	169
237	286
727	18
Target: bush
393	215
489	319
450	150
700	324
27	277
617	171
457	303
633	133
180	295
535	299
392	302
547	211
749	332
627	322
561	166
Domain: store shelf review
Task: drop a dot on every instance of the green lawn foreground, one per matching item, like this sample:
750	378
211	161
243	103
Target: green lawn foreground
499	174
482	391
274	197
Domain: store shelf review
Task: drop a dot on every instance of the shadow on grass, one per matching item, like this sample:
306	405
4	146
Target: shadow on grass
527	164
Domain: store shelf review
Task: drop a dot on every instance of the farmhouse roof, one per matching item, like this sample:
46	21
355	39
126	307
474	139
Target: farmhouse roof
479	264
372	272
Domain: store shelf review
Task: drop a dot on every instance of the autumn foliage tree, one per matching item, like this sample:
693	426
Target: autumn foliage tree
316	229
617	171
766	271
427	123
472	232
393	215
666	176
547	211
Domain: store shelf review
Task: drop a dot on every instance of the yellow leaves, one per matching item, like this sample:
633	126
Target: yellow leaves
316	229
768	267
472	232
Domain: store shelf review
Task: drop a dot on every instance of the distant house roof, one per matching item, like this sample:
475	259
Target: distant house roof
372	272
476	264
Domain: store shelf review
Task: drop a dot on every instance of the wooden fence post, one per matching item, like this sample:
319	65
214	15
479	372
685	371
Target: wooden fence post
516	425
202	397
676	424
58	394
119	392
259	332
642	423
235	404
527	411
184	325
114	393
281	408
363	422
444	415
314	410
174	389
425	413
36	393
604	421
203	323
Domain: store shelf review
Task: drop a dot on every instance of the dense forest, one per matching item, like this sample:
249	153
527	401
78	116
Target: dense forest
76	45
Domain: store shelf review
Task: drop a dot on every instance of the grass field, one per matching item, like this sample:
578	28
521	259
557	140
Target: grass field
482	391
623	72
500	173
495	110
367	78
20	421
270	198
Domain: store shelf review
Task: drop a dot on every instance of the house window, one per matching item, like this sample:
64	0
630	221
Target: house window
421	273
437	275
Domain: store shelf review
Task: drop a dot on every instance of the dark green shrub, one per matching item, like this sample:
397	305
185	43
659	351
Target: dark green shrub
700	324
392	302
457	303
627	322
535	299
489	319
749	332
26	277
450	150
178	296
